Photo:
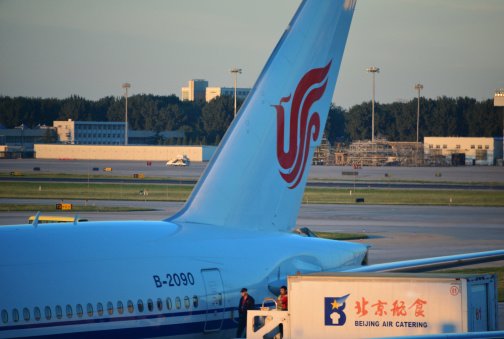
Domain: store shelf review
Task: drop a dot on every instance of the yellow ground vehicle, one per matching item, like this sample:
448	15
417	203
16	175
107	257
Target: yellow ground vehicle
54	220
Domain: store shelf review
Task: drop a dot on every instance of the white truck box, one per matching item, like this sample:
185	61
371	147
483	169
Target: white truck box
373	305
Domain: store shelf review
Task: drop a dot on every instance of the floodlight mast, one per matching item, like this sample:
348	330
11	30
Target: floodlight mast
418	87
126	86
235	71
373	70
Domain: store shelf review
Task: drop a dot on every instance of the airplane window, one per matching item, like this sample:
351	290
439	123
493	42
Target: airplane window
110	308
59	312
90	310
15	315
159	304
130	306
5	316
99	308
168	304
26	314
150	305
36	313
177	303
48	313
140	305
120	307
79	310
195	301
187	303
69	311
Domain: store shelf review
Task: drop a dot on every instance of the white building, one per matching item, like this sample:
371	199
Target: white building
198	90
469	151
90	133
195	91
213	92
121	152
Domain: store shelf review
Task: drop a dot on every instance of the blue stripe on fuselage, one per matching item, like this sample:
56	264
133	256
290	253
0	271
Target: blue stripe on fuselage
130	332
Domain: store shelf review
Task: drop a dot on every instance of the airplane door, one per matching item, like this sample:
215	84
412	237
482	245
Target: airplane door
214	299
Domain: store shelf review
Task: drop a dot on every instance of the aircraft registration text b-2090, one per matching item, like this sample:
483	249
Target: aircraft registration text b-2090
174	279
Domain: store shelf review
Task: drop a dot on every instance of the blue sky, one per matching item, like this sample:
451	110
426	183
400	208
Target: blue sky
56	48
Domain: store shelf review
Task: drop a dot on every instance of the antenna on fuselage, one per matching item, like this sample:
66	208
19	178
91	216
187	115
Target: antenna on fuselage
35	221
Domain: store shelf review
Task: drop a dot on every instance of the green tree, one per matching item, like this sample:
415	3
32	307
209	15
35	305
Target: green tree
335	125
49	136
358	122
217	115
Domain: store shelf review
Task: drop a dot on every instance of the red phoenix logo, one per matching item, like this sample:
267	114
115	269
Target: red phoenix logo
303	126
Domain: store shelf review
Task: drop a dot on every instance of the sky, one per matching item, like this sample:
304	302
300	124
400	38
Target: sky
58	48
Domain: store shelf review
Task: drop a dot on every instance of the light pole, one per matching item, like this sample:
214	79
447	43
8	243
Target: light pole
373	70
126	86
418	87
235	71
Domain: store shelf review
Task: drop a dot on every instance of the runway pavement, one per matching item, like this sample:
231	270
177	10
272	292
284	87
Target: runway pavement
489	174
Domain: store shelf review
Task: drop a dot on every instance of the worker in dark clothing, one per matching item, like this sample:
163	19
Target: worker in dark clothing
246	303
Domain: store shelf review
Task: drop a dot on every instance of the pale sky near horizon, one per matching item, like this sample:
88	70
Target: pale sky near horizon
57	48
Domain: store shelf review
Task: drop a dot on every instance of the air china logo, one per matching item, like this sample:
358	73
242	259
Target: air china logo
303	127
334	311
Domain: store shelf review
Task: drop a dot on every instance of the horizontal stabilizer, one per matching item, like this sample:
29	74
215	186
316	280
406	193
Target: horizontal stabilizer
431	264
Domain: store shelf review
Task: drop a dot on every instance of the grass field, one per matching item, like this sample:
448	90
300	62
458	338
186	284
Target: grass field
404	197
484	270
94	191
311	196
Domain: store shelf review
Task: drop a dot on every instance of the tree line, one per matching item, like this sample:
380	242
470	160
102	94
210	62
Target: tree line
441	117
206	123
199	120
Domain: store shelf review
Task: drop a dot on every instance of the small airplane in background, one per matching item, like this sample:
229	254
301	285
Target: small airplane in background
181	277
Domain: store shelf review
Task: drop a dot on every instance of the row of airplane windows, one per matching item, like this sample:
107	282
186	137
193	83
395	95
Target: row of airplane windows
79	310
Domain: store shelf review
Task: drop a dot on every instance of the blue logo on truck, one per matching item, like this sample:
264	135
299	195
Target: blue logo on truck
334	311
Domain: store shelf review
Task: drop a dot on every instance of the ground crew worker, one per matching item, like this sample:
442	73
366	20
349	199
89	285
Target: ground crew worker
282	305
246	303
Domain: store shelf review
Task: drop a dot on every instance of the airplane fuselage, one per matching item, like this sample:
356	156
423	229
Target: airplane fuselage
147	279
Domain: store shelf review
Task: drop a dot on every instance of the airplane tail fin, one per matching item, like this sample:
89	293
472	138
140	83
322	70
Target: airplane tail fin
257	176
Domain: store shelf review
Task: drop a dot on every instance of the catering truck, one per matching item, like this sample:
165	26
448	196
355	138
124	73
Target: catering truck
374	305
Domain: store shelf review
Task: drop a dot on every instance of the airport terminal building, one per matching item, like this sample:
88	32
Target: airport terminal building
90	132
106	133
464	151
122	152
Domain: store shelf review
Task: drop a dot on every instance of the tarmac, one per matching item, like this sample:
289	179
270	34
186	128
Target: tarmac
488	174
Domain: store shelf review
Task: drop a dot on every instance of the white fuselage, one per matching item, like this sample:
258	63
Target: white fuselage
61	268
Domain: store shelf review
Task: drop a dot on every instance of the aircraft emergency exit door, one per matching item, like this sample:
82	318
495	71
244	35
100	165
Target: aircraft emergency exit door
214	299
